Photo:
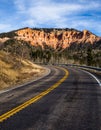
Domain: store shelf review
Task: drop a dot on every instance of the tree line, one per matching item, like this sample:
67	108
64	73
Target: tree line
84	54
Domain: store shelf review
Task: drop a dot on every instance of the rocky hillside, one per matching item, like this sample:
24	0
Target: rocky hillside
53	46
55	38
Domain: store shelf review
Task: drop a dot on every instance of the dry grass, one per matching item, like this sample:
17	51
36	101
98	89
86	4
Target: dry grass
14	71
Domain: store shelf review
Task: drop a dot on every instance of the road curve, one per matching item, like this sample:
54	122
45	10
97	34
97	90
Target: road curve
75	104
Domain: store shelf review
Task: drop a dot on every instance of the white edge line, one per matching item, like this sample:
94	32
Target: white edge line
7	90
98	81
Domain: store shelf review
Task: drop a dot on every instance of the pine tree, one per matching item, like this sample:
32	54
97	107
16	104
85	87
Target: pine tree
89	57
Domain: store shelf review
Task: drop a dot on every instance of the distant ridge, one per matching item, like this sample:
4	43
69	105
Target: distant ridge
53	37
53	45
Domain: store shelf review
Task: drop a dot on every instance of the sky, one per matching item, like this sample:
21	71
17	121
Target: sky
77	14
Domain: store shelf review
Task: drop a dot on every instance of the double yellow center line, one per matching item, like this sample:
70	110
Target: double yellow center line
34	99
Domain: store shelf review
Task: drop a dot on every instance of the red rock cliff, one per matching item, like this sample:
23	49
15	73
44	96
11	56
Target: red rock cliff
56	37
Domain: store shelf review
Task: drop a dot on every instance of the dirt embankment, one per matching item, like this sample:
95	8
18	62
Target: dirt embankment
15	71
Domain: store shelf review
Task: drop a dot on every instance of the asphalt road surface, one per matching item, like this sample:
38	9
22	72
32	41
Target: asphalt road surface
59	101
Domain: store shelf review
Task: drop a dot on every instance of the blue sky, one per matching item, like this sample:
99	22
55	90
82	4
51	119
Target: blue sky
78	14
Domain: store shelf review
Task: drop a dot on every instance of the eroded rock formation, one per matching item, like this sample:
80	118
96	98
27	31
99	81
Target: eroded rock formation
55	38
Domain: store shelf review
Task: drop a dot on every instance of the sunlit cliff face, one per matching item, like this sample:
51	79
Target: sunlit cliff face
55	38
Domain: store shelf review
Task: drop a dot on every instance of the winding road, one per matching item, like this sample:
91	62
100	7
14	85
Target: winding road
66	99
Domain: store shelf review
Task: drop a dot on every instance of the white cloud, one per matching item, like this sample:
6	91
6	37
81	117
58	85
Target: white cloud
47	12
56	13
41	12
5	27
20	5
